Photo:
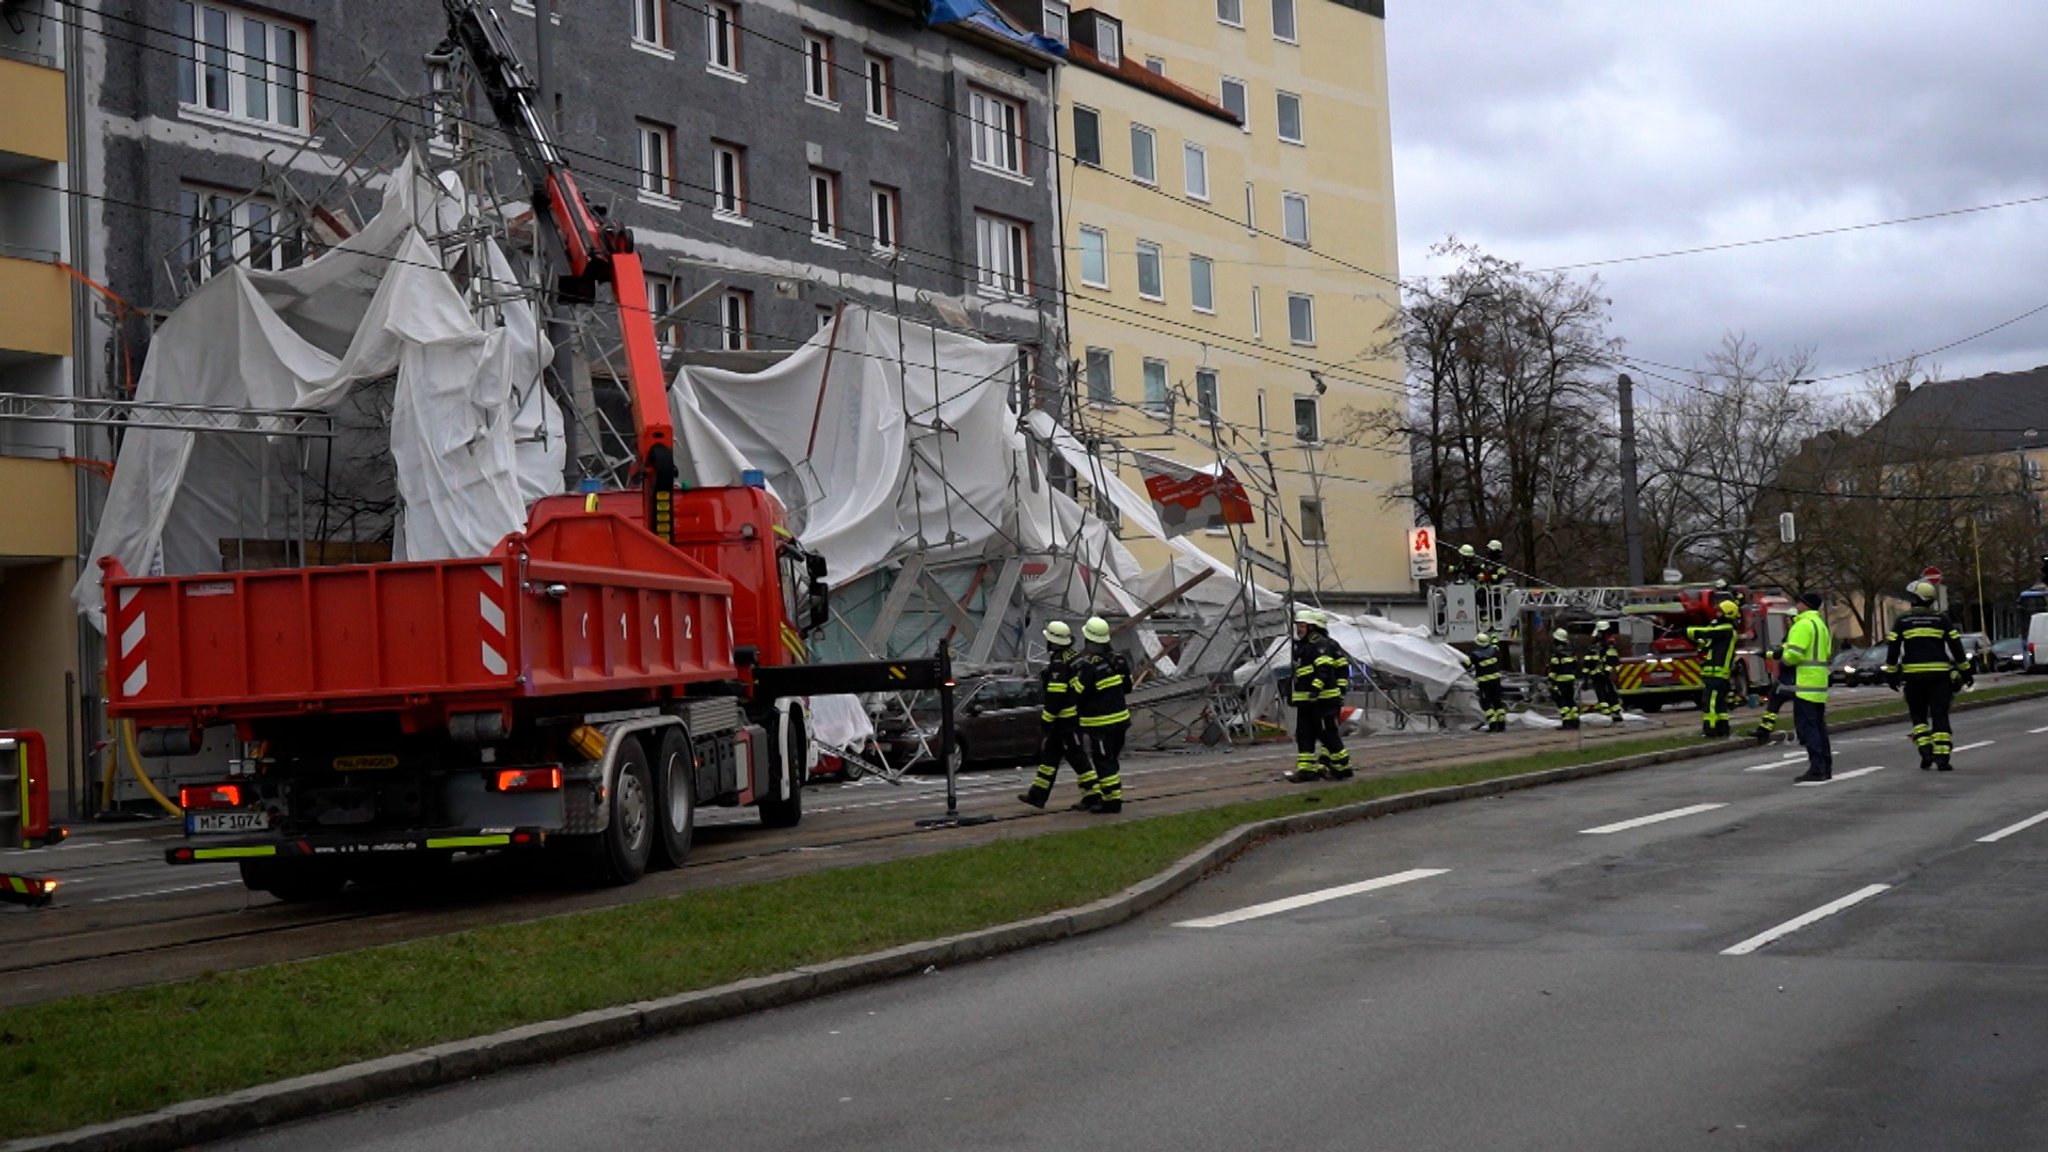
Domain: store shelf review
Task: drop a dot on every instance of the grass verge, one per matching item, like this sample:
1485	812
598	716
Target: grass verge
68	1063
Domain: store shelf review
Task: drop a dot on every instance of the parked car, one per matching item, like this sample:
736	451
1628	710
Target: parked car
1977	650
1858	666
995	718
2009	655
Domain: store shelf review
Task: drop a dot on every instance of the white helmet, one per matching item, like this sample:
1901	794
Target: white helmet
1483	640
1096	630
1563	636
1059	635
1923	590
1313	617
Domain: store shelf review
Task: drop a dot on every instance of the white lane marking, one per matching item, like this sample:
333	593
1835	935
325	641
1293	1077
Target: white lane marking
74	845
2036	731
1272	907
2022	826
165	891
1978	744
1639	821
1771	767
1838	777
1798	922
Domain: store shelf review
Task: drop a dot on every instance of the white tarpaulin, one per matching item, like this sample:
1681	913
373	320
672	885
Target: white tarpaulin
1379	644
380	304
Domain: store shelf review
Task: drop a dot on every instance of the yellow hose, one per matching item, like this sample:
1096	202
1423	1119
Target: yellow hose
141	777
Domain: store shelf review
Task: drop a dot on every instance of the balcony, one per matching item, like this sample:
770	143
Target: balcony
34	99
37	318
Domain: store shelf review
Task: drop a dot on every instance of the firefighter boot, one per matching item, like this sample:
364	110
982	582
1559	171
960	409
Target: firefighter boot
1041	786
1337	765
1306	770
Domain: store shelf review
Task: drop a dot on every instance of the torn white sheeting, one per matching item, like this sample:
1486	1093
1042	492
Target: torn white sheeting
1380	644
840	722
378	304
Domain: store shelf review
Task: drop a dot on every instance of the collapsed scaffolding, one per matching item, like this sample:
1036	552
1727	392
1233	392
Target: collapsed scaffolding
946	500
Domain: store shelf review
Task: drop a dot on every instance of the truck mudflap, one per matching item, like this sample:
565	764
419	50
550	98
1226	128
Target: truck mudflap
336	847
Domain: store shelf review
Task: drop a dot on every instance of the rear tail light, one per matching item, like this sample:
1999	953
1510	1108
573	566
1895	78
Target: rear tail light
210	796
528	780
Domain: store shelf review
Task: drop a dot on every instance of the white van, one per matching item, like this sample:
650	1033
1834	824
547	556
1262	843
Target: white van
2036	659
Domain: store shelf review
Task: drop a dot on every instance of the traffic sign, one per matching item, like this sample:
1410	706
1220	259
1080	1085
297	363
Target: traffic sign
1422	553
1931	574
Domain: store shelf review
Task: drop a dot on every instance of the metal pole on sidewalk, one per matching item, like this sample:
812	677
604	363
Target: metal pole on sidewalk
1631	514
953	817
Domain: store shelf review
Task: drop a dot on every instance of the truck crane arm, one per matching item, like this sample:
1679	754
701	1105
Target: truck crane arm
597	250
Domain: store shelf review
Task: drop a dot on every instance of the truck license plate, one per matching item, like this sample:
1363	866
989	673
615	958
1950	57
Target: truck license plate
217	823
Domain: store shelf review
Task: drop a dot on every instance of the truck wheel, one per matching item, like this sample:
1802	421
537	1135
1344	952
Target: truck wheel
294	881
621	850
676	798
786	813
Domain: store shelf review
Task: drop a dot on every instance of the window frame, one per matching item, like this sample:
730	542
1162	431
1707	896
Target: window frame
885	66
1162	406
736	194
827	220
1101	236
821	84
1210	413
735	320
885	210
1315	418
1104	396
1293	33
1292	337
1227	21
1158	259
1156	65
1280	100
661	299
1094	134
235	234
1304	508
664	137
1244	93
723	38
1109	42
1046	9
1287	222
1012	280
1151	153
985	135
1258	321
236	68
1204	285
1193	158
662	41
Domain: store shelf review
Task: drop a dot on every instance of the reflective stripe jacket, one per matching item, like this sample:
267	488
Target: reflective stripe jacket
1059	689
1105	677
1607	658
1322	670
1924	641
1564	666
1716	643
1808	647
1485	664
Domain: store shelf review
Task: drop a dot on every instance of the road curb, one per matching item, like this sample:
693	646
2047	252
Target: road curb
353	1085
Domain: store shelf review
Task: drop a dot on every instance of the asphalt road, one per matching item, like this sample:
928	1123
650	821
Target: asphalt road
1695	956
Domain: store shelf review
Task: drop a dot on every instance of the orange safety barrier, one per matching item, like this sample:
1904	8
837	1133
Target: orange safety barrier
25	791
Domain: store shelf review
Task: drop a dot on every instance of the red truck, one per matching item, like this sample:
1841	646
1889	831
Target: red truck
630	656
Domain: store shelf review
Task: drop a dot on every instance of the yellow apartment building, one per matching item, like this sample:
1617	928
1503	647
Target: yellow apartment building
1230	257
39	515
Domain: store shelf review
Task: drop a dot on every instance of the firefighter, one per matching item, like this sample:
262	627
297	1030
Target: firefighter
1604	661
1924	654
1716	642
1467	566
1104	716
1781	695
1322	674
1485	664
1497	560
1059	736
1564	678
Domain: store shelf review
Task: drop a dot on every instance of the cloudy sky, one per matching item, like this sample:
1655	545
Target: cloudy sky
1561	132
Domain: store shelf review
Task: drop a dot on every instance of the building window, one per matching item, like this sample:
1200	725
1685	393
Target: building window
1251	208
1087	136
1202	283
824	205
1283	20
736	321
1294	217
818	80
1155	65
1234	99
1151	280
826	313
650	23
448	127
888	213
1230	12
1109	42
239	64
881	89
722	36
1101	377
1290	117
1262	415
1208	401
657	158
1197	162
728	179
222	228
1308	420
661	300
1004	248
1144	159
1094	258
1258	324
998	132
1312	520
1056	19
1155	387
1301	318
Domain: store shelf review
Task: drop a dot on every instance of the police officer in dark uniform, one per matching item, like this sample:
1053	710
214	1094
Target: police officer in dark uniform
1924	654
1059	736
1105	678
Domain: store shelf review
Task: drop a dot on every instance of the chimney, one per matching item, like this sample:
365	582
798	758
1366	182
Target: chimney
1900	390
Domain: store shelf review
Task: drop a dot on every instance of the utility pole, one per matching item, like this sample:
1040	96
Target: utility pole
1631	516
